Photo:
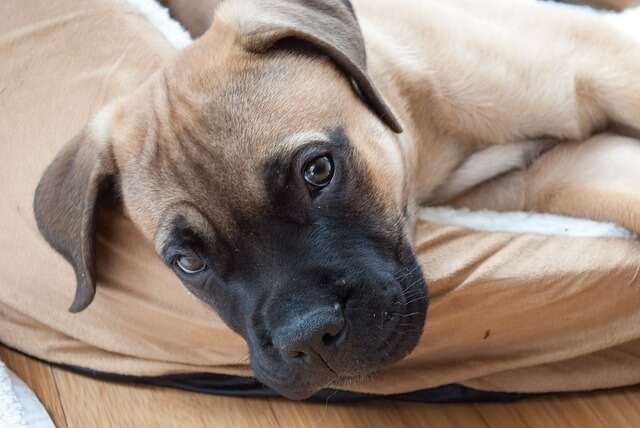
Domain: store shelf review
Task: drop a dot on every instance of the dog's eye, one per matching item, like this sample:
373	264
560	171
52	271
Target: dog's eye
190	264
318	172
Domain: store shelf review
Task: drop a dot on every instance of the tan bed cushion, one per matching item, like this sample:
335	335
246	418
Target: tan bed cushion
508	313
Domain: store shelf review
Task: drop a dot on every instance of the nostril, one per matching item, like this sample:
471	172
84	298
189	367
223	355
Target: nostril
329	339
343	300
334	338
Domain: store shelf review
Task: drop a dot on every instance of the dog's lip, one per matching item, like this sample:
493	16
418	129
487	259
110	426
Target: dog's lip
284	387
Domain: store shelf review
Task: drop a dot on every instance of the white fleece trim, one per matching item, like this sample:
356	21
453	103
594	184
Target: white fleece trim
159	17
628	21
523	222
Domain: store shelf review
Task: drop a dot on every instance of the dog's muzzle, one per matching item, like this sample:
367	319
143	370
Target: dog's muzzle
326	336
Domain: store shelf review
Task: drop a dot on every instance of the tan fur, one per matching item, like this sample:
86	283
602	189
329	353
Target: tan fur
459	92
476	86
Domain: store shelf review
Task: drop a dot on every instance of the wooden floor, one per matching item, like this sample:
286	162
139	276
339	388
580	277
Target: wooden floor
76	401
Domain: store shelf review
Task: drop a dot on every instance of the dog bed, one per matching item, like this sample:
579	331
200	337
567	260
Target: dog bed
511	312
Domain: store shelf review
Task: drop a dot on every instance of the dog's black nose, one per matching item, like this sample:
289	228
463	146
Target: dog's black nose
318	331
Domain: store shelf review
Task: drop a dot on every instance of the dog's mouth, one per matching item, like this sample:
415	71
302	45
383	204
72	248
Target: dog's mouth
375	338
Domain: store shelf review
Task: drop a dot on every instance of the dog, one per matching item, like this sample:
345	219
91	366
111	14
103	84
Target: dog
277	162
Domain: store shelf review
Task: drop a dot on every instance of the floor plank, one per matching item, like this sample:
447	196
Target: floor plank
369	414
39	377
77	401
442	415
92	403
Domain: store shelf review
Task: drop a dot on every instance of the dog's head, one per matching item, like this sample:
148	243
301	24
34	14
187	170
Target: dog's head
266	168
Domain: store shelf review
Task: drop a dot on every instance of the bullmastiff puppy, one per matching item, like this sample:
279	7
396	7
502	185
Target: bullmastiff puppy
277	162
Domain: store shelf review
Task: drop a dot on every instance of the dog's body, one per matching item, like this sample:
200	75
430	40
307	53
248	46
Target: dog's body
519	89
487	76
268	166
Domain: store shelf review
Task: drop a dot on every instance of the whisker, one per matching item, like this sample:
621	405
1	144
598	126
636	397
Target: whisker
417	299
407	273
414	293
412	314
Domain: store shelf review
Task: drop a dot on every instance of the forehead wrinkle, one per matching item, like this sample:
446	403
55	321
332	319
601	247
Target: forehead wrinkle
292	142
278	91
248	105
212	184
296	140
197	220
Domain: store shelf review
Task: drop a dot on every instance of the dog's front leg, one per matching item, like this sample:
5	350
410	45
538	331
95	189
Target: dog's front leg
595	179
538	72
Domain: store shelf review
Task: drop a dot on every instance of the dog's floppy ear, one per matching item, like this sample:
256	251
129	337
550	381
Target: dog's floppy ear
330	26
65	206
